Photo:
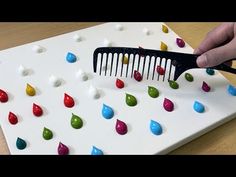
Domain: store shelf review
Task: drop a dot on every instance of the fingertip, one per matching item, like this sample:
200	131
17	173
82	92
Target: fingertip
202	61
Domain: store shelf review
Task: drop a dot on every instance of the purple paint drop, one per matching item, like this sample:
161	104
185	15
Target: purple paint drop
180	42
62	149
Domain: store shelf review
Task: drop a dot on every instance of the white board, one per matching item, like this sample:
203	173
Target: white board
179	126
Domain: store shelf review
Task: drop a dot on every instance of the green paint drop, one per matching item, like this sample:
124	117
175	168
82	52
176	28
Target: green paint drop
76	121
173	84
47	134
20	143
153	92
188	77
130	100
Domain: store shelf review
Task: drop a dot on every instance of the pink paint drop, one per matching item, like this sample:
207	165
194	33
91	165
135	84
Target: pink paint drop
68	101
121	127
12	118
205	87
160	70
137	76
62	149
119	83
37	110
168	105
180	42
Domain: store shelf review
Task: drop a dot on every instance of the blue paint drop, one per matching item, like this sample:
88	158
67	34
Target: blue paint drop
70	57
20	143
96	151
198	107
232	90
107	112
155	127
210	71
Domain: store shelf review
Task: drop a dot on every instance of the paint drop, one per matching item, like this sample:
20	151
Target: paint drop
107	112
30	90
119	83
77	38
155	128
165	29
173	84
130	100
188	77
153	92
160	70
168	105
70	57
146	31
76	121
125	60
20	143
137	76
54	81
62	149
22	70
12	118
107	43
210	71
37	110
231	90
3	96
37	48
47	133
121	127
198	107
180	42
205	87
82	75
93	92
119	27
96	151
163	46
68	101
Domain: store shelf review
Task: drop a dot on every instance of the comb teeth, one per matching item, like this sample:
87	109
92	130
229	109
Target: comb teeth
123	63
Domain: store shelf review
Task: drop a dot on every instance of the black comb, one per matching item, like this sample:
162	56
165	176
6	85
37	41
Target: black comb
105	58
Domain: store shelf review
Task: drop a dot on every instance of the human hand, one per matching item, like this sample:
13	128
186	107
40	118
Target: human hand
218	46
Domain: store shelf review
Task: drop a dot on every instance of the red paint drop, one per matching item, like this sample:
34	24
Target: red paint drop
37	110
168	105
12	118
137	76
121	127
68	101
119	83
62	149
180	42
3	96
205	87
160	70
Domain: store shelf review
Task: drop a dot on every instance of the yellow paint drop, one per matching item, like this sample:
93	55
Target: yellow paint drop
165	29
163	46
30	90
125	60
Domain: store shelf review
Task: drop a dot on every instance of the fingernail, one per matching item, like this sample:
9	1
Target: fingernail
202	61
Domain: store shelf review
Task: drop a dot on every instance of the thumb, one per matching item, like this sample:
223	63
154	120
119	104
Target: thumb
217	55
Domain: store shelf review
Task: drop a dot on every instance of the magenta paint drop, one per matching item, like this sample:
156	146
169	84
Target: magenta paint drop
168	105
62	149
121	127
137	76
205	87
180	42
